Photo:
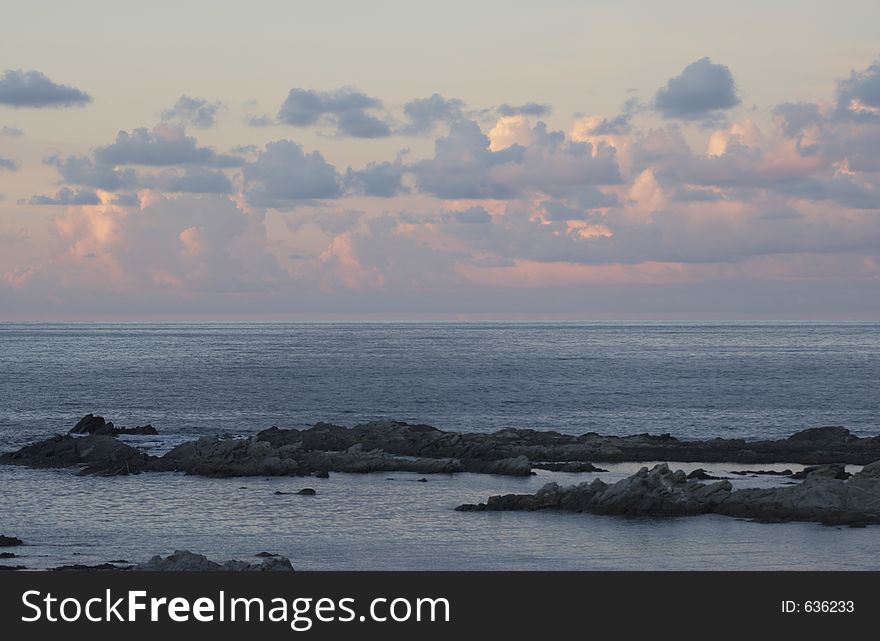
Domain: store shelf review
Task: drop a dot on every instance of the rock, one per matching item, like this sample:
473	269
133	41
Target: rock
10	541
322	474
700	474
568	466
12	567
394	446
265	555
91	424
7	555
830	471
141	430
186	561
422	480
307	491
870	471
785	472
658	492
518	466
80	567
97	454
832	434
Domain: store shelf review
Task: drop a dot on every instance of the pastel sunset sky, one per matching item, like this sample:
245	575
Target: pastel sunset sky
408	160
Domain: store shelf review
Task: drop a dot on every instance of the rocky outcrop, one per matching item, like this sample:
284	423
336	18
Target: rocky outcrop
91	424
809	447
10	541
249	457
96	454
393	446
660	492
186	561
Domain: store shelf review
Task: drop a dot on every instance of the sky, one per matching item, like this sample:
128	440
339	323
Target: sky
393	160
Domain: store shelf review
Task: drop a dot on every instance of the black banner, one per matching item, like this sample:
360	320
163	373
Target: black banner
434	605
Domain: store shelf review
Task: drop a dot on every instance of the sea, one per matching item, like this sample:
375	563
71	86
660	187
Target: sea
694	380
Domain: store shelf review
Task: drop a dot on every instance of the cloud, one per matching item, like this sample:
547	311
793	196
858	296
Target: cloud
283	175
82	170
702	91
260	121
527	109
197	112
11	132
162	146
193	180
424	114
7	164
172	247
472	216
383	179
345	109
858	96
67	196
465	167
33	89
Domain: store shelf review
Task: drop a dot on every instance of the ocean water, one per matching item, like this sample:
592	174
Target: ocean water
693	380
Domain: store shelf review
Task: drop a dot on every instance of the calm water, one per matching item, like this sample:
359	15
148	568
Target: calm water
692	380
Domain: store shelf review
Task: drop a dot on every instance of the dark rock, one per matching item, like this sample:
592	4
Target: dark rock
393	446
12	567
10	541
80	567
322	474
7	555
422	480
307	491
785	472
265	555
568	466
700	474
99	454
822	497
141	430
831	434
186	561
830	471
91	424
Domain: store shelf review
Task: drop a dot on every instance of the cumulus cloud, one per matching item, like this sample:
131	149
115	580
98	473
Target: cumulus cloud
702	91
383	179
472	216
7	164
33	89
197	112
345	109
67	196
284	175
465	166
173	246
84	171
858	96
495	206
424	114
527	109
193	180
161	146
11	132
260	121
